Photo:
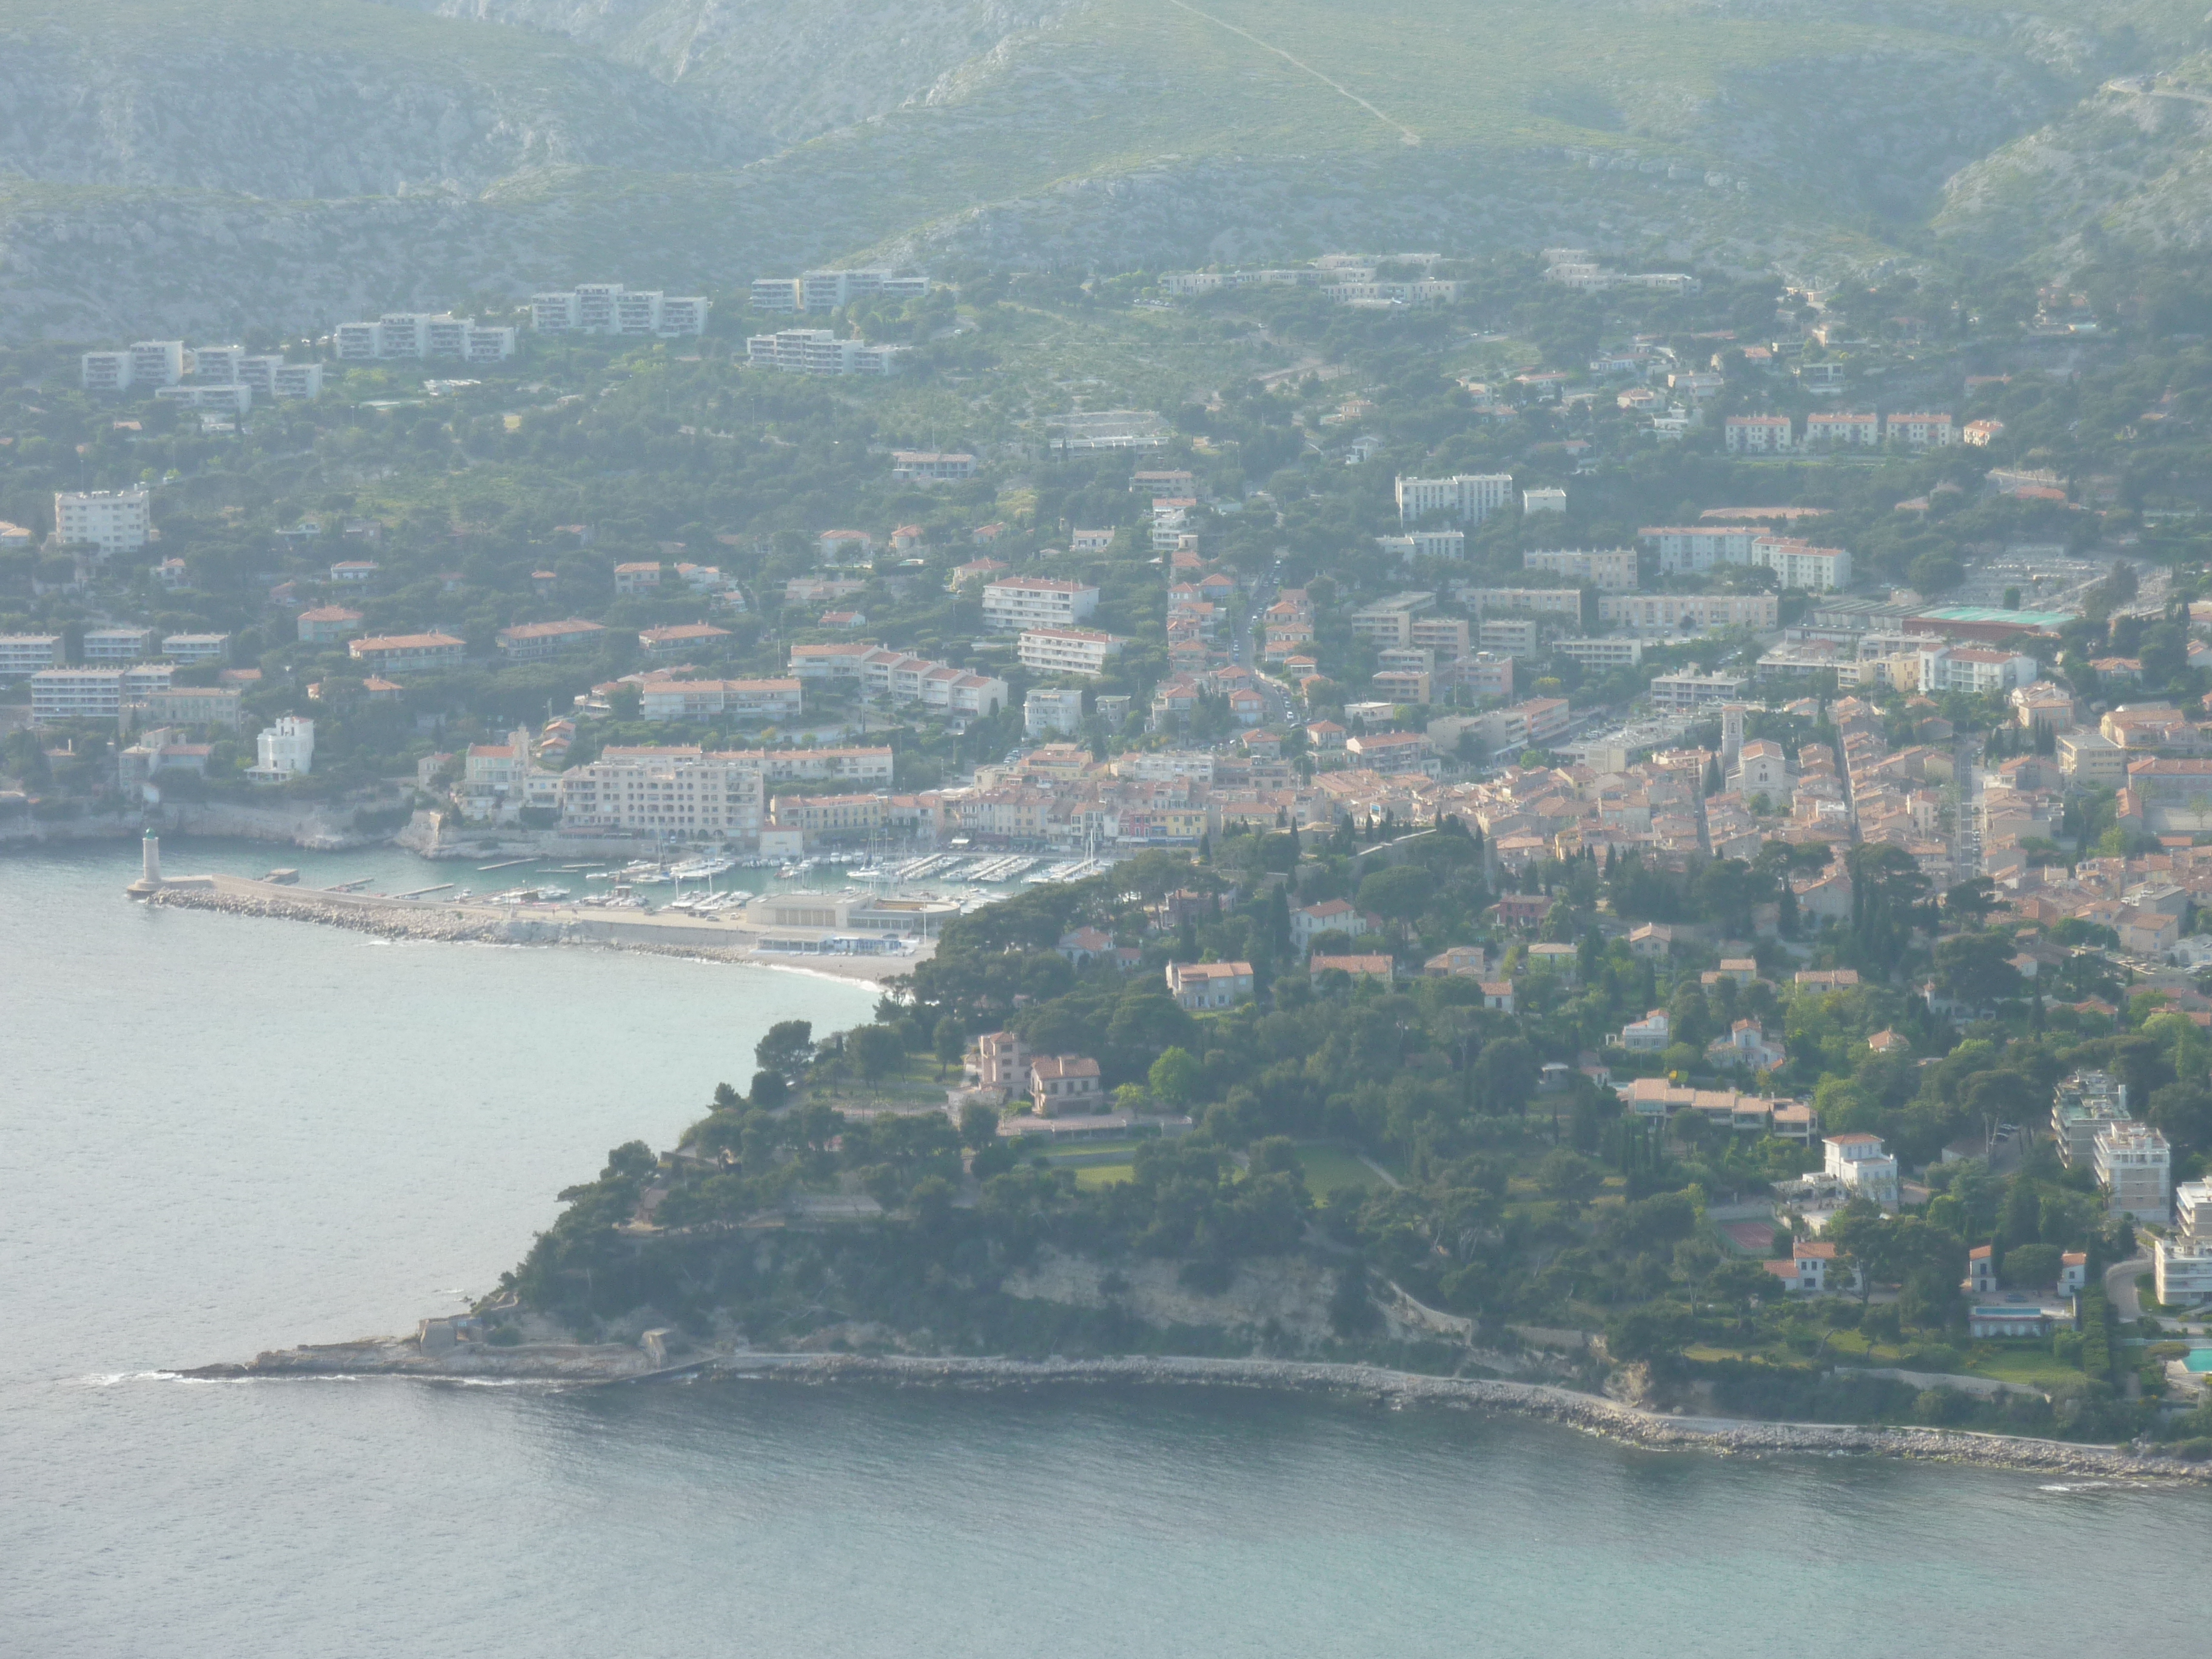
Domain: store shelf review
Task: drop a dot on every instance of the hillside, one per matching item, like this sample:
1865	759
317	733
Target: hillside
396	150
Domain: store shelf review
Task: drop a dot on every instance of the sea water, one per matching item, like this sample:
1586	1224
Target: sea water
219	1134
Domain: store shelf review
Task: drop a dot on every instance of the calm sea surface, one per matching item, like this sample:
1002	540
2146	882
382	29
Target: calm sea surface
218	1135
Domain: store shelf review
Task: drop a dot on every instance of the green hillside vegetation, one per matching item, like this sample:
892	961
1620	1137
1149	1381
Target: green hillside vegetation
1130	131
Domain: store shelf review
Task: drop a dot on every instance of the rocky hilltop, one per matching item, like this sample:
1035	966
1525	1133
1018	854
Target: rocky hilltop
175	167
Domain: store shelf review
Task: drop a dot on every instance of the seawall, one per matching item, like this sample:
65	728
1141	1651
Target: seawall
702	938
610	1363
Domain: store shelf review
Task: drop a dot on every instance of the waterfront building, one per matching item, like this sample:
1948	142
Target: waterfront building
286	749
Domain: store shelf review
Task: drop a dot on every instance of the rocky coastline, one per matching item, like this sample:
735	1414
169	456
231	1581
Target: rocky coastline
607	1364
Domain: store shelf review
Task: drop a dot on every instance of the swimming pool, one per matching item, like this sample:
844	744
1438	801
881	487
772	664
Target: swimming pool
2199	1360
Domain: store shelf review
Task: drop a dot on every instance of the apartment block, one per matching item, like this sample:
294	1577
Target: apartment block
2135	1170
227	399
113	521
678	791
110	647
1562	602
158	362
1685	613
421	334
1602	655
613	308
24	654
1467	498
105	371
828	290
1686	550
1013	602
1839	429
195	705
1426	544
1447	636
395	652
818	351
1610	569
1689	690
1974	668
929	466
1798	563
217	365
1067	650
63	694
327	624
1515	636
535	641
670	700
195	647
1921	431
1758	434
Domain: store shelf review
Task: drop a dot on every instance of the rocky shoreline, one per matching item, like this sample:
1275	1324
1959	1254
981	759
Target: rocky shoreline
447	922
609	1363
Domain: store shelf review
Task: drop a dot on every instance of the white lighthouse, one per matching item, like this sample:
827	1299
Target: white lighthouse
149	875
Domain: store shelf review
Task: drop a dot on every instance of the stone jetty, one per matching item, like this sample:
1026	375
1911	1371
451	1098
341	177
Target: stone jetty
609	1363
448	920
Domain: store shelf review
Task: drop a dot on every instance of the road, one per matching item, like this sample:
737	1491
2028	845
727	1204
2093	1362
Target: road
2120	1287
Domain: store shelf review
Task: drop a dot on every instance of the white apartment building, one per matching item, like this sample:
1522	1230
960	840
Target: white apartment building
195	647
1543	501
286	749
1683	613
1689	548
1565	603
1515	636
1975	668
228	397
2192	1209
1603	655
1758	434
113	521
2135	1170
299	380
1469	497
2182	1271
818	351
1426	544
105	371
1684	692
22	655
112	647
677	700
1067	650
1864	1168
158	362
1013	602
67	693
1798	563
1612	569
827	290
703	794
419	335
1052	713
217	365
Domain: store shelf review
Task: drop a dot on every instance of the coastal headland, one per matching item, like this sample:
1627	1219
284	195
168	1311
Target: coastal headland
389	917
612	1363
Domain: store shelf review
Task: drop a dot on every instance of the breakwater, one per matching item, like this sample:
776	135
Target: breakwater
702	938
611	1364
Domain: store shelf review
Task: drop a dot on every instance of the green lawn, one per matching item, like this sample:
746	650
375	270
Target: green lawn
1105	1174
1327	1168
